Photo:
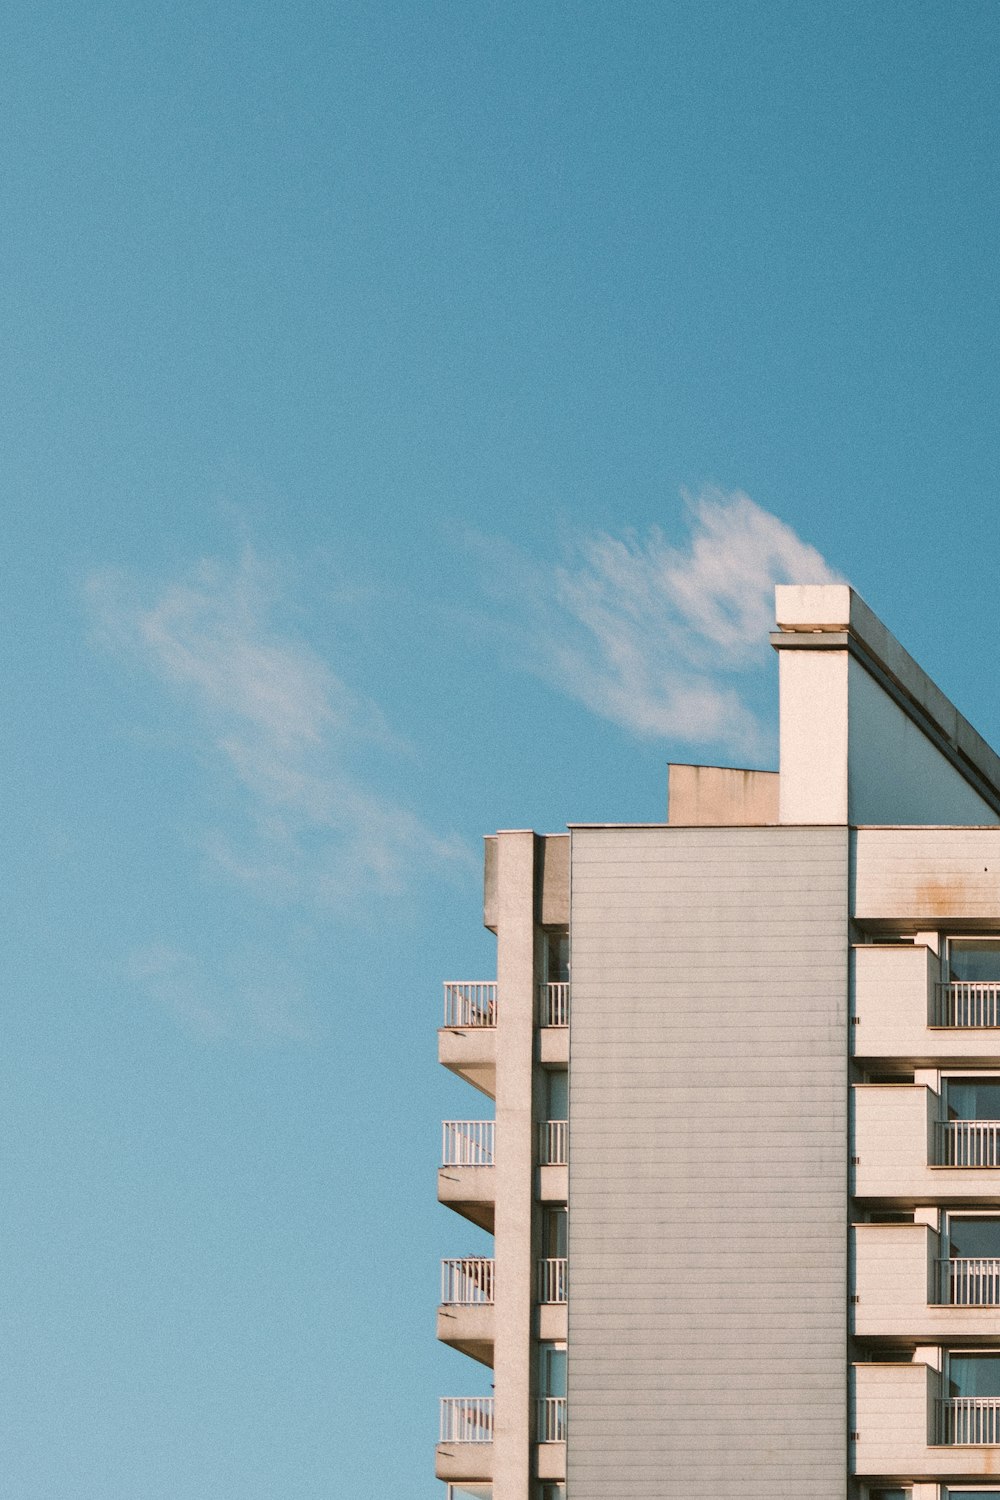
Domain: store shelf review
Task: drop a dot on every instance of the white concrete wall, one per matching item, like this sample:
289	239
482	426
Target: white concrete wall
813	736
893	1417
708	1110
516	979
928	877
893	1130
895	774
892	990
895	1282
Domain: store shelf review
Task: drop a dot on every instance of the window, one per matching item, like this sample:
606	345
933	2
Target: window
557	957
551	1369
973	1098
973	1375
554	1491
974	961
470	1492
889	1494
557	1094
554	1226
976	1237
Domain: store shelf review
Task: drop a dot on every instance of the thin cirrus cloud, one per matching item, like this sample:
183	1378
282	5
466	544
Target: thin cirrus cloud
670	641
284	728
228	998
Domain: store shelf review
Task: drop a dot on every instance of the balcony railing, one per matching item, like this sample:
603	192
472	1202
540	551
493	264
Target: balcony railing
965	1003
969	1421
466	1419
467	1143
553	1143
468	1282
969	1281
552	1419
554	1000
552	1280
470	1002
968	1143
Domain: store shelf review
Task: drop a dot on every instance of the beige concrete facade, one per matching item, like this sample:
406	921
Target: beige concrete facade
781	1137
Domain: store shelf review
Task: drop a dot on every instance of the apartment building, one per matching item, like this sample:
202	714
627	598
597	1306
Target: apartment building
742	1165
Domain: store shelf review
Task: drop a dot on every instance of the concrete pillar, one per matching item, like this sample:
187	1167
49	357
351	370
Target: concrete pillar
512	1434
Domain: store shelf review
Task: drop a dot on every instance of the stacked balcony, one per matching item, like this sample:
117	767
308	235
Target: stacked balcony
926	1419
466	1313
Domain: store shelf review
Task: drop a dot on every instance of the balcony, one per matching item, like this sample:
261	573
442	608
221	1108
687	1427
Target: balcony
465	1316
965	1005
552	1287
903	1010
905	1429
552	1280
555	1005
969	1281
553	1159
550	1435
466	1179
904	1151
553	1024
969	1421
553	1145
465	1448
552	1419
904	1290
467	1040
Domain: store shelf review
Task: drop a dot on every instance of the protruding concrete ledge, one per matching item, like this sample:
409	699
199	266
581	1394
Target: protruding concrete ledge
551	1460
468	1329
471	1192
472	1462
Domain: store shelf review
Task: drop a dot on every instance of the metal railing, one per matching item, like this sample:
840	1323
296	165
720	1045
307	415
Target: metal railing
969	1281
554	1000
470	1002
467	1143
553	1143
553	1281
466	1419
964	1002
968	1143
551	1419
968	1421
467	1282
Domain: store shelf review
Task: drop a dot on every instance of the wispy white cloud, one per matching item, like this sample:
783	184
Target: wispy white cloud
666	640
222	1001
283	726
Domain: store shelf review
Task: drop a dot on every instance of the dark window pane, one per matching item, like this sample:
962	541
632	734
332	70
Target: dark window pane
976	962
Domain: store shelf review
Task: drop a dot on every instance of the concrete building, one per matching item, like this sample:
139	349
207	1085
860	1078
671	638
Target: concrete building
743	1174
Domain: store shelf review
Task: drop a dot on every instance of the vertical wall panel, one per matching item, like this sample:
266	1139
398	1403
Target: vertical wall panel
708	1171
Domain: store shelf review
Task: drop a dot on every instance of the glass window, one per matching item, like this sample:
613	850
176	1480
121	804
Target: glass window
972	1494
470	1492
974	1238
974	1374
889	1494
557	957
977	961
973	1098
554	1227
552	1369
557	1095
555	1491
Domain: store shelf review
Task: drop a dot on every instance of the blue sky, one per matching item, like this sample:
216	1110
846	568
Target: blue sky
407	409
